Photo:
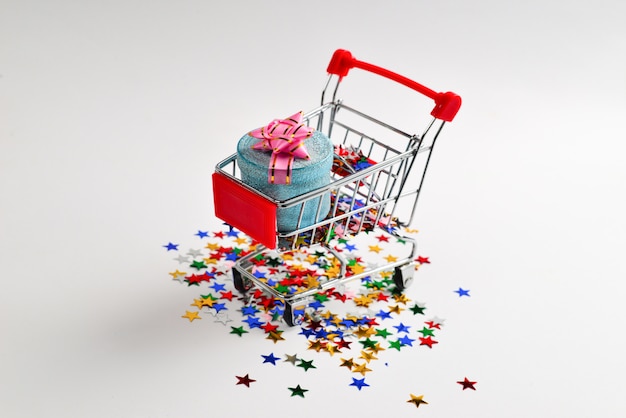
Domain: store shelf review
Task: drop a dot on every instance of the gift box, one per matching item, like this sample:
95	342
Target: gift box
309	168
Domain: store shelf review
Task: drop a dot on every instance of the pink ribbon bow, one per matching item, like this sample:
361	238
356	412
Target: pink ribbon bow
285	139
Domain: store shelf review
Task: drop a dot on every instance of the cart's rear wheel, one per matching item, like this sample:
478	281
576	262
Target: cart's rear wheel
403	276
239	281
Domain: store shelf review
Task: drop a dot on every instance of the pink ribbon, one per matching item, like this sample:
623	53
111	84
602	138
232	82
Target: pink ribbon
285	139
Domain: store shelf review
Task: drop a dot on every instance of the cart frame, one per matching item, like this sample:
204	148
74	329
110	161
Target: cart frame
361	198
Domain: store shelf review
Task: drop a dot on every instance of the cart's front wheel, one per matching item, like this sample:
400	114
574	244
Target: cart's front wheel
239	282
289	316
403	276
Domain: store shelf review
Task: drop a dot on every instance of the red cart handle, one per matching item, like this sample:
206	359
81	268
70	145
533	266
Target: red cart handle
446	104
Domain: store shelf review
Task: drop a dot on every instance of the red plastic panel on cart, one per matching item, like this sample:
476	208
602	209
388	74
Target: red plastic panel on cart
241	208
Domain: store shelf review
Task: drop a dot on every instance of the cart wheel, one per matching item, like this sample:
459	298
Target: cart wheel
403	276
289	317
238	281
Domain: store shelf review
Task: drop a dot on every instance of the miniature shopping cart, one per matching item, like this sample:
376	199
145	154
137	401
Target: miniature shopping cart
376	169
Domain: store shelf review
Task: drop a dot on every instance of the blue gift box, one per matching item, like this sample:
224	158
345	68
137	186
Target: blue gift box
306	175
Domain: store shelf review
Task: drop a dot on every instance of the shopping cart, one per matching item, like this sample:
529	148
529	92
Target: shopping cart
369	186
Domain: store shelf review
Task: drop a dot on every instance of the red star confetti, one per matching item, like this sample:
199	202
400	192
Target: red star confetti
427	341
244	380
467	384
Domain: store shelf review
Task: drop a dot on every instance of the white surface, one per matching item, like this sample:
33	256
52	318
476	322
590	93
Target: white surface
113	115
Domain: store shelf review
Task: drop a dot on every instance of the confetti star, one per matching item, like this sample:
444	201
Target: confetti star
417	400
298	391
435	322
383	315
275	336
194	253
227	295
244	380
375	249
367	343
377	348
218	287
402	328
198	265
202	234
359	383
467	384
238	330
178	275
270	358
349	363
182	258
426	332
291	359
406	340
253	322
395	309
269	327
360	368
306	365
462	292
197	303
219	307
397	344
368	356
240	240
222	317
428	341
191	316
171	247
422	260
249	310
382	238
418	309
401	298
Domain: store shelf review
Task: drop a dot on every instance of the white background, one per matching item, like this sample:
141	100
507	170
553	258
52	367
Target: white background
113	115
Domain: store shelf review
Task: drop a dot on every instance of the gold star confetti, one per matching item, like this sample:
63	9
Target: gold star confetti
333	271
330	348
240	240
191	316
315	345
361	368
395	309
357	268
176	274
347	363
417	400
208	301
375	249
376	348
401	298
363	300
197	303
275	336
368	356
